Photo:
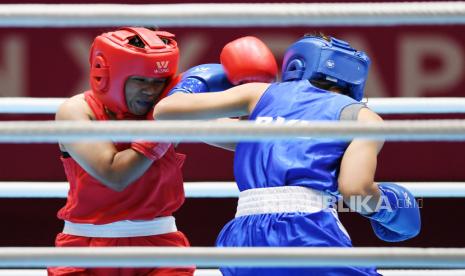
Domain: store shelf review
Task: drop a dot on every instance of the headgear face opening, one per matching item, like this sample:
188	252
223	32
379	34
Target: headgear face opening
314	58
113	60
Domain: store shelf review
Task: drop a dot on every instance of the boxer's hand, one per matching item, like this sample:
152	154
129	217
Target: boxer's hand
398	217
151	150
202	78
248	59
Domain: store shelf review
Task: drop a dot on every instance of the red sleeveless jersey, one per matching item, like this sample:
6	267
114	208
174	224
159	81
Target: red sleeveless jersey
158	192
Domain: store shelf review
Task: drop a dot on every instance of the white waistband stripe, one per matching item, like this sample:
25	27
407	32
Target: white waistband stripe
122	229
287	199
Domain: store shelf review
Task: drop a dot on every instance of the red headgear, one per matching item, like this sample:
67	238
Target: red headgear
113	60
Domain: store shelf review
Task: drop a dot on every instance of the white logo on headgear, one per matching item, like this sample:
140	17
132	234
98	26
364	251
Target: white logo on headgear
330	63
162	67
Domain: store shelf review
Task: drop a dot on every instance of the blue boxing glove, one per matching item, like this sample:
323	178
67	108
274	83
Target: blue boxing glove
203	78
398	217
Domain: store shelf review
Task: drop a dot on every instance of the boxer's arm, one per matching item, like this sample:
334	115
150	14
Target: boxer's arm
101	159
391	208
227	146
244	60
358	166
234	102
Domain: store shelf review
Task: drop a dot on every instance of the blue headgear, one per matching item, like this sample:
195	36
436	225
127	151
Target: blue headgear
313	57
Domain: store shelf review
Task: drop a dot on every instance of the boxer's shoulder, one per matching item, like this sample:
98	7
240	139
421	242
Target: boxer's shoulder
74	107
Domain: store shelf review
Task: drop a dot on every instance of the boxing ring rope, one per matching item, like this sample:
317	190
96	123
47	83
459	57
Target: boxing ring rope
17	189
228	15
25	105
214	272
232	256
212	131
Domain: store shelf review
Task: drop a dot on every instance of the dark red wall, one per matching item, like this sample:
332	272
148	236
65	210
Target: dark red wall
415	61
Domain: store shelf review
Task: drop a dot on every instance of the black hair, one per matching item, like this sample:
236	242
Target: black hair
137	42
152	28
329	86
319	34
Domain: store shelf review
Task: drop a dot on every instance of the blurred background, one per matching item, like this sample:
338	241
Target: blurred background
407	61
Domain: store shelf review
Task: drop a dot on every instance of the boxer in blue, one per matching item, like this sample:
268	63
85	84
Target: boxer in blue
285	184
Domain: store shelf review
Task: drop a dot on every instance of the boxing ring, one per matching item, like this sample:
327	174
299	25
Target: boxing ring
207	257
441	261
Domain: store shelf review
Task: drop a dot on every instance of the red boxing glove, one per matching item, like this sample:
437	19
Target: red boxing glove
248	59
151	150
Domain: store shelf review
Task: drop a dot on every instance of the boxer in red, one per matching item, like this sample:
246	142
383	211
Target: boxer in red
123	194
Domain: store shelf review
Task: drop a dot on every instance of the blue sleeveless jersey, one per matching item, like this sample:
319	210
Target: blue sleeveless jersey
313	163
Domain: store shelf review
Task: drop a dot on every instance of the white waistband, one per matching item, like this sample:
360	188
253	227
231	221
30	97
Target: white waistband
122	229
286	199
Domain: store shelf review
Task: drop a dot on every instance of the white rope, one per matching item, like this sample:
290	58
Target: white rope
216	272
228	15
416	105
43	272
233	256
18	189
208	131
215	189
27	105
